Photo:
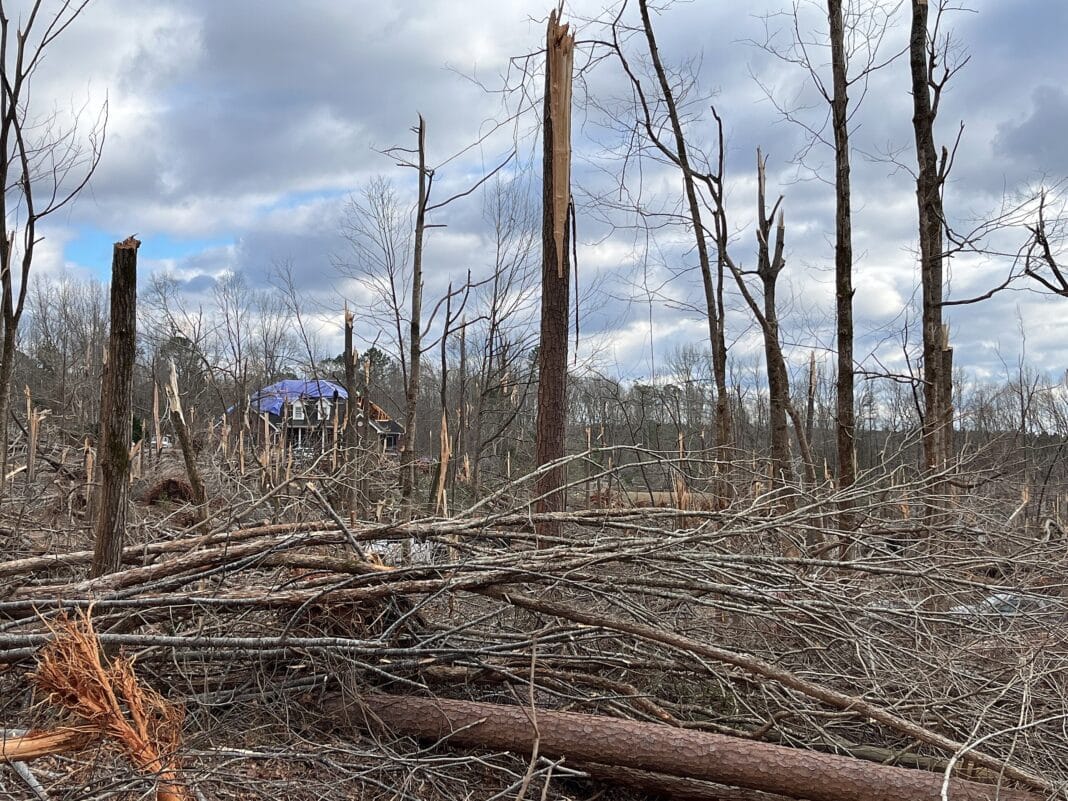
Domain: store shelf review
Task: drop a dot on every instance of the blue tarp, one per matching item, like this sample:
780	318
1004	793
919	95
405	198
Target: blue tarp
271	399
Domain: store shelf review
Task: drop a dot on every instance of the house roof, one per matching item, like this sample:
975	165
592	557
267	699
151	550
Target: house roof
272	398
387	426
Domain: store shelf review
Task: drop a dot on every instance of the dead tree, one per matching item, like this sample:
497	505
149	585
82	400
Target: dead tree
770	264
116	412
855	34
555	270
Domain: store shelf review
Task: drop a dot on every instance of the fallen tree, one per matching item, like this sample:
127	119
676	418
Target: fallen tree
658	749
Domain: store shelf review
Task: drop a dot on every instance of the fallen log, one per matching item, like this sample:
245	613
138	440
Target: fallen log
650	747
758	667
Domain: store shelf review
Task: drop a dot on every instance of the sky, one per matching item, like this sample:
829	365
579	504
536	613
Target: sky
238	130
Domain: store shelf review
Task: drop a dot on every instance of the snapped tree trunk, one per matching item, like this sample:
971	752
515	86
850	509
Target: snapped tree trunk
660	749
116	412
185	442
555	272
929	202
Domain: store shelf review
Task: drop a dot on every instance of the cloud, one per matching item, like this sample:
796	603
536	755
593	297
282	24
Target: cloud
1036	143
238	129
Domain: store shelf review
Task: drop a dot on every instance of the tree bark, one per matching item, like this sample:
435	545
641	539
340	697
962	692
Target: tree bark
929	202
116	412
661	749
845	430
550	441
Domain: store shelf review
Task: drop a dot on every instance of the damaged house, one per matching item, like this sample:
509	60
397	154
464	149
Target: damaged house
312	414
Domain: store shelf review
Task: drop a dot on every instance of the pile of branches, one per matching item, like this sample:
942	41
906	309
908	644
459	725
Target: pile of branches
911	646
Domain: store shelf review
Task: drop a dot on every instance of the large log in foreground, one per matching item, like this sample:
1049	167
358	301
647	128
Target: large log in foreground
660	749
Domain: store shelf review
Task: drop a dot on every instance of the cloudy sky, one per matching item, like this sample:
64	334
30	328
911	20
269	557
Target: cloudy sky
238	129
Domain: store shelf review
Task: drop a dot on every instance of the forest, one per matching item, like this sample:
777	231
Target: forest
429	539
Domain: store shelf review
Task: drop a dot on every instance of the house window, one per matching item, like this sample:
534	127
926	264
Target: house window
298	410
325	408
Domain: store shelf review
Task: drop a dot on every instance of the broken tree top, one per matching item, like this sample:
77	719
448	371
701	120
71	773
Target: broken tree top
129	243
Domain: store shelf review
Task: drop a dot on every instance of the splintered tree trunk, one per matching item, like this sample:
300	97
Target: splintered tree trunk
116	412
843	254
661	749
438	492
555	272
181	430
929	202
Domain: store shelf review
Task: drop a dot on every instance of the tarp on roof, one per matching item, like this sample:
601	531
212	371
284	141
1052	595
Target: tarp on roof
271	399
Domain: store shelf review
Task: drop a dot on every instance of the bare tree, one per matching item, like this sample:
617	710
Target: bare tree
45	162
679	152
855	35
375	227
505	308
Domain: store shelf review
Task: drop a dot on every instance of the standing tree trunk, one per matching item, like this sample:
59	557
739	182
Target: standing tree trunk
555	272
929	201
411	394
845	431
116	412
770	264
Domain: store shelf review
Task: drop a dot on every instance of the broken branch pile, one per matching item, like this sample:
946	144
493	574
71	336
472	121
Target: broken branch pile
722	642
